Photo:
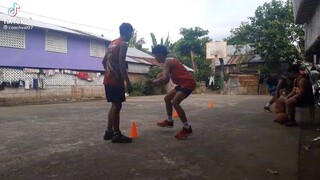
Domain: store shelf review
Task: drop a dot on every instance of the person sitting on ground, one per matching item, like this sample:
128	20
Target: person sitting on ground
300	95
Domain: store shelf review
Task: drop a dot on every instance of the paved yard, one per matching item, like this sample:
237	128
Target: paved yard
235	139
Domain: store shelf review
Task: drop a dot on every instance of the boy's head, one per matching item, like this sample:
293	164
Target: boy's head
160	52
126	31
294	70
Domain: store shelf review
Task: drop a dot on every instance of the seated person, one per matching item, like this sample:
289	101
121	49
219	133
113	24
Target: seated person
272	82
283	86
300	95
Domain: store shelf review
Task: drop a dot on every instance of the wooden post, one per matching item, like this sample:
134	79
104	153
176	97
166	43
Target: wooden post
193	63
221	73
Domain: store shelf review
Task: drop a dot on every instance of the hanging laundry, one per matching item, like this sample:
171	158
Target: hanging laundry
30	71
52	72
83	75
27	84
35	84
21	83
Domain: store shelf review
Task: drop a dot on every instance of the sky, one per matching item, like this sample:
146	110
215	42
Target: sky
157	16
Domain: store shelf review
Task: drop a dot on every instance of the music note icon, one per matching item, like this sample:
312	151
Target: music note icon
12	11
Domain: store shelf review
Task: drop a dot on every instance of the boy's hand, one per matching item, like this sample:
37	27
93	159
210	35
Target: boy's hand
129	88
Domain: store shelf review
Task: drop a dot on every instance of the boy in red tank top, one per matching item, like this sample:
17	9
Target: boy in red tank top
114	78
185	84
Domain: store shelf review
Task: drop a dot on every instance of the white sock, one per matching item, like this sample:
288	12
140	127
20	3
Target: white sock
186	125
268	105
169	119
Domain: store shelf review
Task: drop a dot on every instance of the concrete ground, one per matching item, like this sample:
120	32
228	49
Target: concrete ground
235	139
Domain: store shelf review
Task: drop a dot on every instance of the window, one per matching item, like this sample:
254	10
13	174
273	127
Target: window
13	38
56	42
97	48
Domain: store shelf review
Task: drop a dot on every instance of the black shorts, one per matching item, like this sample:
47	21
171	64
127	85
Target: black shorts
187	92
114	93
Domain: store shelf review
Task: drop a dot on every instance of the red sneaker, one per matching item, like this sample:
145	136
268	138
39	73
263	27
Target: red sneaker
184	133
165	123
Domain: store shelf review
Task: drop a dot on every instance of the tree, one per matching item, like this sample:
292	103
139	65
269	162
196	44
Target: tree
191	50
272	33
166	43
135	42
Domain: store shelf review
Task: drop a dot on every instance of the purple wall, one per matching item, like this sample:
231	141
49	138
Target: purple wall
34	56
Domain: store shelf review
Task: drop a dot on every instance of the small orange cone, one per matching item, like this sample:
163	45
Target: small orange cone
133	132
210	104
175	114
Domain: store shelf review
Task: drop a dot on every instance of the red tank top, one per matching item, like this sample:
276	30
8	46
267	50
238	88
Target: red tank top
180	76
112	75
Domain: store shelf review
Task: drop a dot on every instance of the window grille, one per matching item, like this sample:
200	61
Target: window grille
56	42
97	48
13	38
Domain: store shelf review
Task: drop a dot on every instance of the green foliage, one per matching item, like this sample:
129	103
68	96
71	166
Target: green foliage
194	39
137	89
154	71
272	33
166	43
135	42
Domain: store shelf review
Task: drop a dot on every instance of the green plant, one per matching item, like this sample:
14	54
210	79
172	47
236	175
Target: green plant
137	89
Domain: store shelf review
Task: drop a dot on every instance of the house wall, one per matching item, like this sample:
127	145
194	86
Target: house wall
138	68
59	85
35	55
313	28
242	84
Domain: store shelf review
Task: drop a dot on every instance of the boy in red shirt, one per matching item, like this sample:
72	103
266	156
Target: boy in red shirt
114	78
185	84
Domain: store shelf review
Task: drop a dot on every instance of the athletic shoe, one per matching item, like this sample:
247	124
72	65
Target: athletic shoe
165	123
108	135
290	123
267	109
184	133
120	138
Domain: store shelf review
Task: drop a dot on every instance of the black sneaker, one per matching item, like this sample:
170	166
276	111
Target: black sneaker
290	123
108	135
120	138
267	109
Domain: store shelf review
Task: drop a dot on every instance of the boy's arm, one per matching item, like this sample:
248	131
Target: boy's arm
303	84
277	93
122	65
104	61
165	75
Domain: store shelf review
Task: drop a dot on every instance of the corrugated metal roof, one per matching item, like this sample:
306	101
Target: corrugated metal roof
237	59
34	23
138	53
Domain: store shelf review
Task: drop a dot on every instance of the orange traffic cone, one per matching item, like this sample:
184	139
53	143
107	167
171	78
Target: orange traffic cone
210	104
133	132
175	114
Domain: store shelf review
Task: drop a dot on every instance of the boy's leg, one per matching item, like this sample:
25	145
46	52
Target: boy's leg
177	99
115	95
291	104
182	94
167	99
115	114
